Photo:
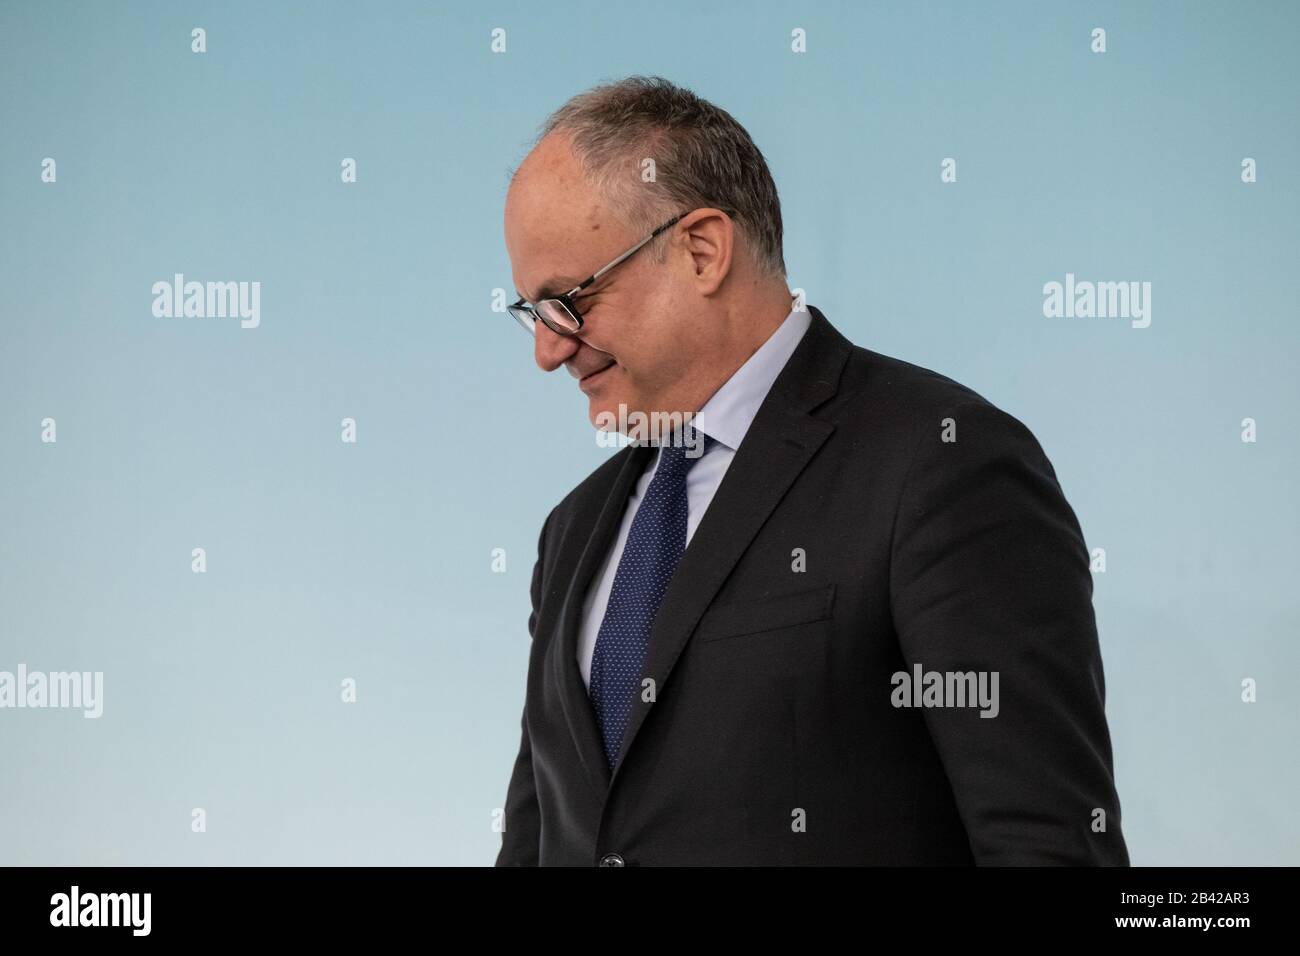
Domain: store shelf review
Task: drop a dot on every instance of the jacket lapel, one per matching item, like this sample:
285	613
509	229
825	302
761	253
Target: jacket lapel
586	542
780	442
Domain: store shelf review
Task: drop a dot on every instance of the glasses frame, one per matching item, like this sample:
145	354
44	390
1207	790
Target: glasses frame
527	315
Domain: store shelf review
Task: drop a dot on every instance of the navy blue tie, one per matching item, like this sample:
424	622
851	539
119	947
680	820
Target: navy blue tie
655	544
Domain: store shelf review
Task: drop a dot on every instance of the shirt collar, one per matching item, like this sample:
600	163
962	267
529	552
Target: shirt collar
727	415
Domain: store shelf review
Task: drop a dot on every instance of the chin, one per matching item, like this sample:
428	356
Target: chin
604	414
602	417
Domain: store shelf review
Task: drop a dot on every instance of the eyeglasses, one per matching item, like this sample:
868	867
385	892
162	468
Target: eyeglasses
560	313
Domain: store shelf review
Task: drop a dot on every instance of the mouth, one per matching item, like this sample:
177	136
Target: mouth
592	376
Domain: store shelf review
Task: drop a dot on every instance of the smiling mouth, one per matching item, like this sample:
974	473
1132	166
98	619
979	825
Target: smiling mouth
590	375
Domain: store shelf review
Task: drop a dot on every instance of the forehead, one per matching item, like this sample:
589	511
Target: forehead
552	254
556	229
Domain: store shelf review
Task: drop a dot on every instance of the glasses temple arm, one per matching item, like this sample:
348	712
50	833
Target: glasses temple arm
605	269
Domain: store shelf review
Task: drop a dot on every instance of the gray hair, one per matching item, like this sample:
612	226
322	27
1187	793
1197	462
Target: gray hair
702	158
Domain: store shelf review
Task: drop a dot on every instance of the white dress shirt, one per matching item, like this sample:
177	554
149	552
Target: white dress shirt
726	417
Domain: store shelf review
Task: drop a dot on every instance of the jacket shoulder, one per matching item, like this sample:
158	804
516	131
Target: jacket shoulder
913	397
871	376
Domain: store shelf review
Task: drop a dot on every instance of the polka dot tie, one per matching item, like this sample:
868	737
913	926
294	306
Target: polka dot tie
655	544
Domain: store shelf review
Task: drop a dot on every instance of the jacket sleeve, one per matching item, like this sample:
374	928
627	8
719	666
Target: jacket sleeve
521	838
990	573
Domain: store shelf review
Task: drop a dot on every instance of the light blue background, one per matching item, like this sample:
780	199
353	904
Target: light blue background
373	560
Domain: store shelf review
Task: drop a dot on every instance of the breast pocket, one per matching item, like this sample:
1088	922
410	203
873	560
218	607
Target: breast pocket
741	618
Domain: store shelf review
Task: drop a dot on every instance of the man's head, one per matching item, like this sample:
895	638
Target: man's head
669	325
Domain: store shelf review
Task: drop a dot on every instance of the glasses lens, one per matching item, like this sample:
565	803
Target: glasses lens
557	316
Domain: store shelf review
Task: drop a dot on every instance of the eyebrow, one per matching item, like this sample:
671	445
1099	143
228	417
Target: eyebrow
552	286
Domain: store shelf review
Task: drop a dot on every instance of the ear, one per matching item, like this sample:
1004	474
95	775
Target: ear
708	237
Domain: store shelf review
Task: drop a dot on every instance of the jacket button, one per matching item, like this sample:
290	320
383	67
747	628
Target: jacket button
611	859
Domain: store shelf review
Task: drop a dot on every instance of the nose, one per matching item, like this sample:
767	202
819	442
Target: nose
550	349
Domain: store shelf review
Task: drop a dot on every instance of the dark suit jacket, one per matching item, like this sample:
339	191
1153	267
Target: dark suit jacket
772	736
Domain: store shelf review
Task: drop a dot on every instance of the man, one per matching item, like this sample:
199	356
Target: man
857	629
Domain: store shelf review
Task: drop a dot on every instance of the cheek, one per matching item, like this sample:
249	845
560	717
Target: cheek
651	340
